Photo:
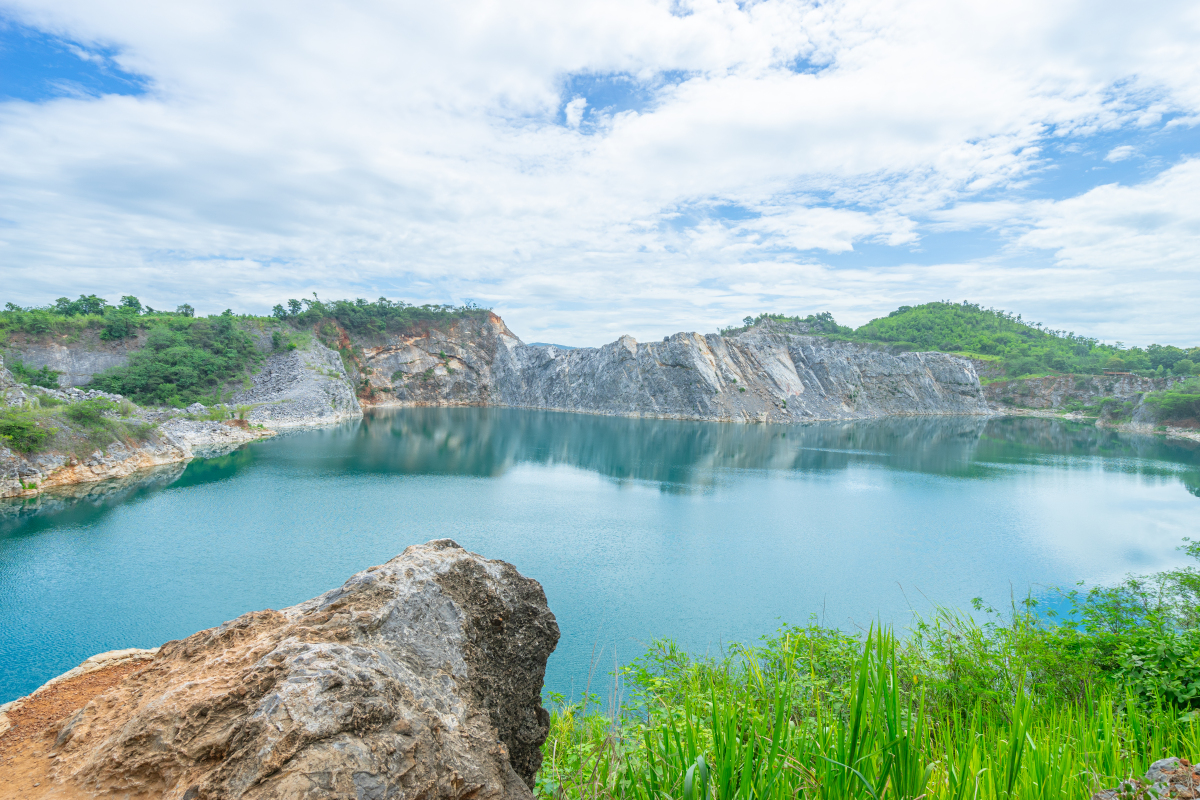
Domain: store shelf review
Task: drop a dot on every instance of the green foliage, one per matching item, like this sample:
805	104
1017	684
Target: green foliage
363	318
1029	705
90	413
822	322
184	361
24	431
86	305
1180	403
119	325
44	377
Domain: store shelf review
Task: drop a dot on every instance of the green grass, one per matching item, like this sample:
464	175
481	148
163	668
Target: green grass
1025	706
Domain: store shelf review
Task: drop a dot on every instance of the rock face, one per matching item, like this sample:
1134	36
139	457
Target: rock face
760	375
417	678
768	373
173	441
76	361
1059	391
308	386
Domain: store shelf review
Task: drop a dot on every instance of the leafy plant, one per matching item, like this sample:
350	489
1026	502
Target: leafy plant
184	361
43	376
24	431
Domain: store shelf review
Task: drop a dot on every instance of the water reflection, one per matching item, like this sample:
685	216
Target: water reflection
678	456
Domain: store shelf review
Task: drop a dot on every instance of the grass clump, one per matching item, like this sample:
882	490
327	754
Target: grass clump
1028	705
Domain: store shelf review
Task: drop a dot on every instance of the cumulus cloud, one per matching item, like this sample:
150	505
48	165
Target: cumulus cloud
433	152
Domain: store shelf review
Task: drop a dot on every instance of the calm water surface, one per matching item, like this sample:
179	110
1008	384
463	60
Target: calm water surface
703	532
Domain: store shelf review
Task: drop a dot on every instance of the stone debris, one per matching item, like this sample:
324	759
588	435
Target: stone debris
300	388
421	677
1166	778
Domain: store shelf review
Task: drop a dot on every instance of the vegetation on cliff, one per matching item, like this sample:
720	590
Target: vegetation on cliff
1180	403
185	360
77	428
1029	705
364	318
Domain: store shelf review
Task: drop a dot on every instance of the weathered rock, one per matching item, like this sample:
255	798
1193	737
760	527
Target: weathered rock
770	373
307	386
172	441
77	359
417	678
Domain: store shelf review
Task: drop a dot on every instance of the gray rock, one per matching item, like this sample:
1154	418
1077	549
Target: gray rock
769	373
300	387
77	361
417	678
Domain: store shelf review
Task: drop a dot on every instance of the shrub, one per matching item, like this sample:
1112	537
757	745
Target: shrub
119	326
184	361
1021	366
24	431
1181	403
44	377
89	413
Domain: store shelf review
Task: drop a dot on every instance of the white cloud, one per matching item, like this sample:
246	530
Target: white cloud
1120	153
412	150
574	111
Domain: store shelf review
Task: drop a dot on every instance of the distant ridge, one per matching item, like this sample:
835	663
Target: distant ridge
548	344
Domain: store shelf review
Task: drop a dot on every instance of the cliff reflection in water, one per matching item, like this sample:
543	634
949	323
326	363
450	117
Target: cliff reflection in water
679	456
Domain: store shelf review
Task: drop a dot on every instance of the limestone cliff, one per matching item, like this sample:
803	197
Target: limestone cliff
768	373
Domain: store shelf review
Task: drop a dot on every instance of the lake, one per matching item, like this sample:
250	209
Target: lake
706	533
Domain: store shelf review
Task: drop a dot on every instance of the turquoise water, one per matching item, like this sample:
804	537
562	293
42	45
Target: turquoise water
703	532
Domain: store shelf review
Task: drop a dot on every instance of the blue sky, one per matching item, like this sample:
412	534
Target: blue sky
594	169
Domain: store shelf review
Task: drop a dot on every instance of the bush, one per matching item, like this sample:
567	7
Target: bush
184	361
1021	366
90	413
1178	404
24	431
44	377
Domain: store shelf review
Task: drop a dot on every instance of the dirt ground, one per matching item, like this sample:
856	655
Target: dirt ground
24	748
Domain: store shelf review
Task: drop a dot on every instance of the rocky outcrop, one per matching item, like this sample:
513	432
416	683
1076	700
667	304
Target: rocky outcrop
302	387
420	678
77	359
760	375
168	441
767	373
1066	391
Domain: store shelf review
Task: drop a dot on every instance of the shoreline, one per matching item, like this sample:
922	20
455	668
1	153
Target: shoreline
184	440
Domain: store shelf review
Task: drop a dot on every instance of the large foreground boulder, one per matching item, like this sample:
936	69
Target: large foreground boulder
420	678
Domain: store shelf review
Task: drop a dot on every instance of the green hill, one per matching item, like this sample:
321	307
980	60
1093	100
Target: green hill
1024	348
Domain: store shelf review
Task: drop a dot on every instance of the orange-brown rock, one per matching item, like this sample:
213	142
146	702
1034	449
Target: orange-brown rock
417	678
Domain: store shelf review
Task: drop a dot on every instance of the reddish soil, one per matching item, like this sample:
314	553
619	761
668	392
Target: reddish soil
24	759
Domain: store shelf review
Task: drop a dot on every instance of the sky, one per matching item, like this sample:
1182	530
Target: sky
591	169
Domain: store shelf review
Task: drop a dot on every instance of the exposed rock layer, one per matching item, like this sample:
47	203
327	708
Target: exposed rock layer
417	678
769	373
